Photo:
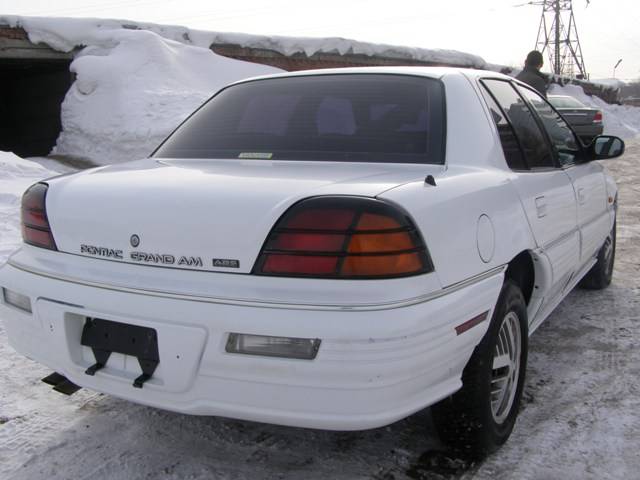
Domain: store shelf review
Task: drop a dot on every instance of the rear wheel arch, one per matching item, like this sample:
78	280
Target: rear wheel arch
521	271
479	417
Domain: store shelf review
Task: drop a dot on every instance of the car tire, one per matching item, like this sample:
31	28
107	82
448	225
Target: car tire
600	275
475	421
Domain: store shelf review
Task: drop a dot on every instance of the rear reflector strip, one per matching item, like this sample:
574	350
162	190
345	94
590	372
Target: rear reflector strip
469	324
37	237
16	300
320	265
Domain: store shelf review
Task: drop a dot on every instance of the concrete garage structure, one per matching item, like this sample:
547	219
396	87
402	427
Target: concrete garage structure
33	82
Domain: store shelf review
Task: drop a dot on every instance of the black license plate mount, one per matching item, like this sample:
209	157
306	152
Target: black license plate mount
105	337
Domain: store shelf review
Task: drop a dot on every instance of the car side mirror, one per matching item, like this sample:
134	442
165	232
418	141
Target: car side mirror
605	146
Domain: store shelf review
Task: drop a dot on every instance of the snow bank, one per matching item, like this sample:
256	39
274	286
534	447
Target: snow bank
132	87
16	174
620	120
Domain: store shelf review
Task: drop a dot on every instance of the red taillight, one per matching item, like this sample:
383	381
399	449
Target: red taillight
598	117
343	237
35	224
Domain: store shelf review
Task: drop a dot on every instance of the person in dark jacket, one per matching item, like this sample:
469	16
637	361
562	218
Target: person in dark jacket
531	74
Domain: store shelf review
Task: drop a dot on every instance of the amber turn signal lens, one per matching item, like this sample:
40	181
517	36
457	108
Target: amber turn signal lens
369	266
380	242
375	221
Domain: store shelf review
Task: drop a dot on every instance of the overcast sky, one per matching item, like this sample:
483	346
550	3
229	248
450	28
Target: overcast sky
497	30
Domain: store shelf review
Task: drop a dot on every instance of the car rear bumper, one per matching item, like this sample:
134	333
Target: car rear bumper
372	368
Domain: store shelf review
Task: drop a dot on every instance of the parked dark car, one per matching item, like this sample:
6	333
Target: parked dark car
586	121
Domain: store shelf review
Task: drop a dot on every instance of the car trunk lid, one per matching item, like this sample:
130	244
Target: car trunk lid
579	116
209	215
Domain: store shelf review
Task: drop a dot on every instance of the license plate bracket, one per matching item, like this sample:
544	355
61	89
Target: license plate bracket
106	336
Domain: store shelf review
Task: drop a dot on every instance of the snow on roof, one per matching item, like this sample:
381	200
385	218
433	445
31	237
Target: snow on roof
609	82
65	34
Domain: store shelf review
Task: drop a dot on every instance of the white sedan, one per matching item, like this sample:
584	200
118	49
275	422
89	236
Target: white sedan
332	249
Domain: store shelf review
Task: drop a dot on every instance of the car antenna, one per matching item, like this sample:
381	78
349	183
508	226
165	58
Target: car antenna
430	180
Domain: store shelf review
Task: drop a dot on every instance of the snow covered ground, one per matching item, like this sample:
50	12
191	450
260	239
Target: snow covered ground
580	419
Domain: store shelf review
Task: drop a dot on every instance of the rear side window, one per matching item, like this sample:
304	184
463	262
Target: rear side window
342	117
510	145
534	145
559	132
565	102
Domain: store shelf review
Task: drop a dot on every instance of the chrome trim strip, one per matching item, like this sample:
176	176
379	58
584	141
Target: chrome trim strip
560	239
262	304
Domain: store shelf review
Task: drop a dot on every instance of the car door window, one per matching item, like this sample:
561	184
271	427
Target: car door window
510	145
537	151
561	135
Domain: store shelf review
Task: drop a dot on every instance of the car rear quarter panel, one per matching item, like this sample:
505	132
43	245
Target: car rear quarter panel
476	183
448	216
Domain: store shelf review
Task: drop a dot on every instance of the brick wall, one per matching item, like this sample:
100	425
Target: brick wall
300	61
12	33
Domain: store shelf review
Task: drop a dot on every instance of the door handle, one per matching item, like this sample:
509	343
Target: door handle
582	198
541	207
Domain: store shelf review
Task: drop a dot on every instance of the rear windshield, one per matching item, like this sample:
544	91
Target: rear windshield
342	117
565	102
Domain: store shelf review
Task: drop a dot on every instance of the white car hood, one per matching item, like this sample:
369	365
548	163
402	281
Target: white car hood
198	212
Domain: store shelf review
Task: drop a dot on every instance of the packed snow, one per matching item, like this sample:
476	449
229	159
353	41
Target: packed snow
132	87
620	120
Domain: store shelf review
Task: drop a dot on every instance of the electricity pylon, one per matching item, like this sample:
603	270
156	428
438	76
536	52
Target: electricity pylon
558	36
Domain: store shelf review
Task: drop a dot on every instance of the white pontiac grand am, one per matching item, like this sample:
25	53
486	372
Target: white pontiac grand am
331	249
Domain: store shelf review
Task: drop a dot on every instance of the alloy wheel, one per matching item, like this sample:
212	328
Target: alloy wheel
506	367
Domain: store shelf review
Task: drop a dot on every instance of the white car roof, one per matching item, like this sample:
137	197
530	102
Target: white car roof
430	72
